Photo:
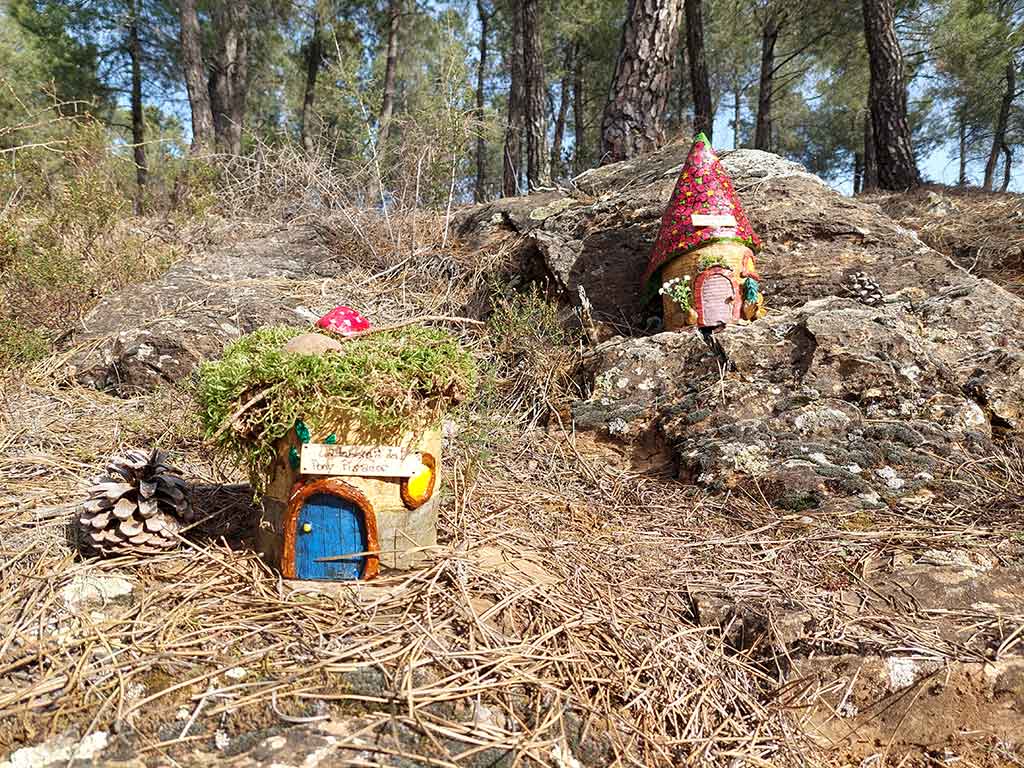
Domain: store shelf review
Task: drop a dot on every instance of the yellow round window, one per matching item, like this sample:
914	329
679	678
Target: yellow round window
417	489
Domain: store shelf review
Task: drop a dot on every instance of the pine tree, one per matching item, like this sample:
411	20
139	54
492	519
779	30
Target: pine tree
700	86
632	121
887	99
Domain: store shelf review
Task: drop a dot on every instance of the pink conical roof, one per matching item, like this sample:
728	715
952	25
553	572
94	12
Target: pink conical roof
704	188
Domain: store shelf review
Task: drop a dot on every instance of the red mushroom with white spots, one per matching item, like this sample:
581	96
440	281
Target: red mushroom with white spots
344	321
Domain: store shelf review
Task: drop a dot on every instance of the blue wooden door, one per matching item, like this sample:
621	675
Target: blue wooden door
329	526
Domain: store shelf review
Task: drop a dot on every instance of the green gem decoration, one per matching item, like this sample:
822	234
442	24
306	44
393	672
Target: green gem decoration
302	431
331	439
293	457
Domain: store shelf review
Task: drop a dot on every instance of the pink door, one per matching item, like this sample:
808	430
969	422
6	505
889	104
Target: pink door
716	299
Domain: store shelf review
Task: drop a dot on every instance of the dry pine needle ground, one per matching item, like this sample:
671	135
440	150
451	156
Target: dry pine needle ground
561	615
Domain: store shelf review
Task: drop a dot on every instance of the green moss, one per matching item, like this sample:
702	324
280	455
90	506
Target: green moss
711	260
385	382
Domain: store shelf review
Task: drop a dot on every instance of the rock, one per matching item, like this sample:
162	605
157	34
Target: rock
61	751
859	706
152	334
88	590
814	237
829	400
312	344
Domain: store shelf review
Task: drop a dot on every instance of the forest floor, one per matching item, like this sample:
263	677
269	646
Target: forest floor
569	616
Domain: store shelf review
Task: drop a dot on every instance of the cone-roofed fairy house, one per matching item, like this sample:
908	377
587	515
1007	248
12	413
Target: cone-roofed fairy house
341	437
703	259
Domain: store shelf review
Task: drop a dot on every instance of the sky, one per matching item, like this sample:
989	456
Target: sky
941	166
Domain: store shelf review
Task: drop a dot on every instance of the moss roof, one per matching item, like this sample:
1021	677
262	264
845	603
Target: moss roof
386	382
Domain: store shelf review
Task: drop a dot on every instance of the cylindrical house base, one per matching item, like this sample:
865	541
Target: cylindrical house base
344	527
733	256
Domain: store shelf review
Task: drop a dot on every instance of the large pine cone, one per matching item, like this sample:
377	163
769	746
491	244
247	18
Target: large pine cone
138	506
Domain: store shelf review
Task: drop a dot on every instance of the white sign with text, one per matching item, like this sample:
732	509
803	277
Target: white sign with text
358	460
709	220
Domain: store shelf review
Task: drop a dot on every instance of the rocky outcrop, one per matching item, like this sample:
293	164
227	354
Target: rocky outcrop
829	403
825	401
158	332
598	236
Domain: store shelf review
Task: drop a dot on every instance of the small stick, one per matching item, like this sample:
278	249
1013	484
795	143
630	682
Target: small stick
234	417
404	323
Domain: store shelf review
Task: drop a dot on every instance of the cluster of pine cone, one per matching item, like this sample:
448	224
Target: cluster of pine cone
139	505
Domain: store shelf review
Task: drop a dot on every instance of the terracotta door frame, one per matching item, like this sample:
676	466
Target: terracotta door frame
335	487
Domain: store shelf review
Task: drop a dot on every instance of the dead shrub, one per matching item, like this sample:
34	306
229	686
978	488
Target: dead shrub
536	357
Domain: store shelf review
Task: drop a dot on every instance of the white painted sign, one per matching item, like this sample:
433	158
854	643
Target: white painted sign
708	220
358	460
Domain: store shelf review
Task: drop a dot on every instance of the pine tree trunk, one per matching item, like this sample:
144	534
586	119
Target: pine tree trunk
870	181
138	119
683	96
763	129
737	115
481	78
858	172
513	151
314	54
887	97
387	104
196	82
1007	166
229	78
643	80
962	136
999	130
563	111
538	172
579	129
700	87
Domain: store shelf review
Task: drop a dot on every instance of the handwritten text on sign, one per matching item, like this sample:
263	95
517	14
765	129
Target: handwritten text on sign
708	220
358	460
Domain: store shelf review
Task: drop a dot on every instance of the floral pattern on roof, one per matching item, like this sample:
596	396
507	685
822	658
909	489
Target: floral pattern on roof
703	188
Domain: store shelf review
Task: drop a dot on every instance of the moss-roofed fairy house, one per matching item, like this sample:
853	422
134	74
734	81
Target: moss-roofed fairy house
341	438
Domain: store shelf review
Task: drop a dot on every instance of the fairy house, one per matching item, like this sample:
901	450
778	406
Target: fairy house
703	260
339	509
347	471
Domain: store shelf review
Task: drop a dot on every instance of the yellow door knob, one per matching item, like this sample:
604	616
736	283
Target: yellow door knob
306	527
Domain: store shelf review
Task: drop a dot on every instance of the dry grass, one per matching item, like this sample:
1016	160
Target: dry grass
572	607
559	612
982	231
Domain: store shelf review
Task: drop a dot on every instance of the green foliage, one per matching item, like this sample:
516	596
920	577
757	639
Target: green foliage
384	383
20	345
679	290
711	260
524	320
197	187
63	242
55	54
974	41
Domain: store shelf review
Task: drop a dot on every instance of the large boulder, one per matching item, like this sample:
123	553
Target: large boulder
158	332
598	236
827	402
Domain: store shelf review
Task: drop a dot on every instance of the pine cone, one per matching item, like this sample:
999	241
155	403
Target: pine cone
865	290
138	506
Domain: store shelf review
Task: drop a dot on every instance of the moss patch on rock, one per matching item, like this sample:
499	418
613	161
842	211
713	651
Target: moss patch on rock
385	382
